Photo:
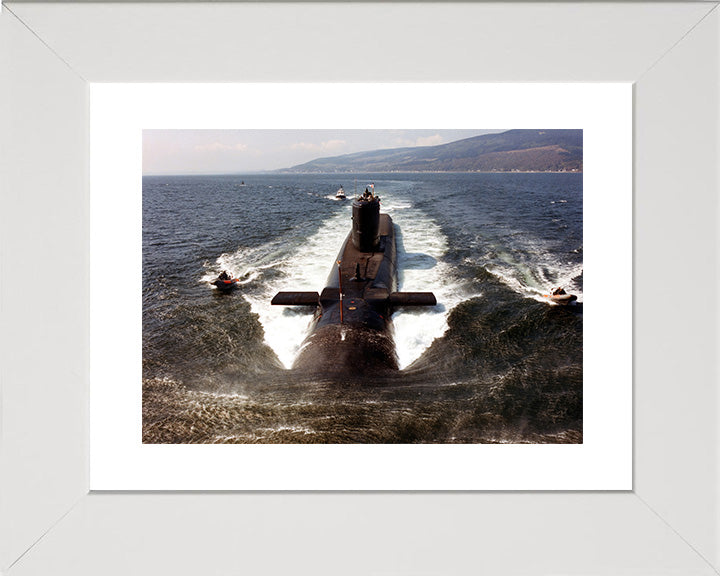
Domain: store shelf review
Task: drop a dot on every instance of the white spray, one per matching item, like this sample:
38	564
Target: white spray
307	265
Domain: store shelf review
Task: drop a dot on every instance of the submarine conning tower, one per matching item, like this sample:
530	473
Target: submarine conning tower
366	223
351	330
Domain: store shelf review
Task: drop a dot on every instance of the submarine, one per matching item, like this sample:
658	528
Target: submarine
351	330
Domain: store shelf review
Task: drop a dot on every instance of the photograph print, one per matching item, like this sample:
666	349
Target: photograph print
362	286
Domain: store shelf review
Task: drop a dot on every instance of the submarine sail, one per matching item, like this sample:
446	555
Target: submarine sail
351	330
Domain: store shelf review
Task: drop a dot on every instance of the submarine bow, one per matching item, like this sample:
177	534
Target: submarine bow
351	331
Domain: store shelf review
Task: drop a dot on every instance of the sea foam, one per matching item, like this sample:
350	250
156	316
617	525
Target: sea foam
306	265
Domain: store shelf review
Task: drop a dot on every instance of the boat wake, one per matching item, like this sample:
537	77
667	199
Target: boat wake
304	265
422	269
533	270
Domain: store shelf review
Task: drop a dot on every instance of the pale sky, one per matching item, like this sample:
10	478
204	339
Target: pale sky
240	151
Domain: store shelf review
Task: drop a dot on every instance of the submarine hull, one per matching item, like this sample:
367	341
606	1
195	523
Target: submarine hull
341	349
351	331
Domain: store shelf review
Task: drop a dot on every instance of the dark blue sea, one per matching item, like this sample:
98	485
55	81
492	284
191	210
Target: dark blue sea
493	362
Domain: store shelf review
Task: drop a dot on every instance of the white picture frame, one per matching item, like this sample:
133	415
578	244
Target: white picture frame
120	112
668	523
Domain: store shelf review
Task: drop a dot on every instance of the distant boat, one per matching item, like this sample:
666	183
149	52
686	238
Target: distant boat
340	194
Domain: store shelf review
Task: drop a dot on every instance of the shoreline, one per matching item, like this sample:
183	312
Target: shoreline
284	173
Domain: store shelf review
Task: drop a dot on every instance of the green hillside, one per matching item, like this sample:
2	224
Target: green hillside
514	150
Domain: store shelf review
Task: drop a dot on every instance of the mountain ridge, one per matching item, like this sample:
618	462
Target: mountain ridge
552	150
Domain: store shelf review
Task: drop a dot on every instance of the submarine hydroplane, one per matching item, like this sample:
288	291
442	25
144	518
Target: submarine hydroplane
351	330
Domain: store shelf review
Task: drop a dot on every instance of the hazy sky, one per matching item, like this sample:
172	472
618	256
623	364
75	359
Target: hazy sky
238	151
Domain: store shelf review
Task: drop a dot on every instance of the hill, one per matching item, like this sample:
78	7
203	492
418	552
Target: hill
514	150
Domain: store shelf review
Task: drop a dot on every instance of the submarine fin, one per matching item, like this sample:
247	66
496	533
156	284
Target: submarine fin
412	299
295	299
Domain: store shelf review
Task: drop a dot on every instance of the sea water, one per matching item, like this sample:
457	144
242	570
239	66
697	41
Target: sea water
492	362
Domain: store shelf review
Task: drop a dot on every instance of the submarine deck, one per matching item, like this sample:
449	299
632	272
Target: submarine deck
351	332
377	270
358	295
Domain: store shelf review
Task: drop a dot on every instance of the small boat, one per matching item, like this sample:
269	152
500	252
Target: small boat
562	299
559	296
225	283
340	194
